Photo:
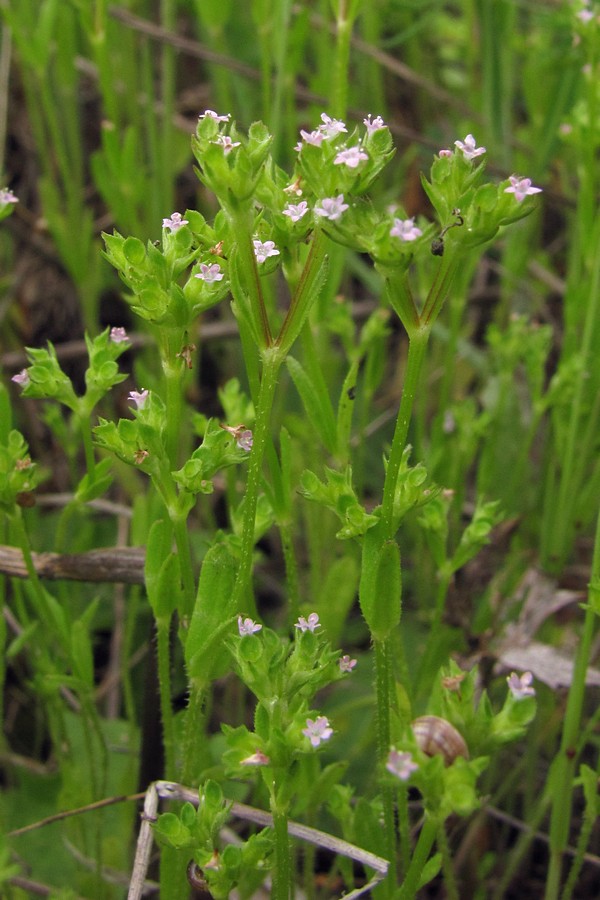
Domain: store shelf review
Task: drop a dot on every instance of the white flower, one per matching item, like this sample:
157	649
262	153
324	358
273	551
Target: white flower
263	250
247	627
469	147
376	125
209	274
175	222
139	398
351	157
405	229
521	188
310	624
521	686
317	730
296	210
331	207
400	764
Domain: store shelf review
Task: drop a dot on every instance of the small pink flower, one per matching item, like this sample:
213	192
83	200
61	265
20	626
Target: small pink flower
263	250
585	16
444	154
22	378
245	440
226	143
331	127
209	274
7	197
247	627
521	686
139	398
346	664
315	138
296	210
521	188
469	147
175	222
376	125
317	730
405	229
211	114
310	624
352	157
400	764
118	335
243	436
257	759
331	207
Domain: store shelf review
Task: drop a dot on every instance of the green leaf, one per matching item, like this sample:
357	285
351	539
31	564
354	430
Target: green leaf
380	587
317	404
89	489
213	613
430	870
162	576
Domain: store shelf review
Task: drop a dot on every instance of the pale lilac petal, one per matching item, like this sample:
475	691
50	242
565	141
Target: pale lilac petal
317	730
400	764
247	626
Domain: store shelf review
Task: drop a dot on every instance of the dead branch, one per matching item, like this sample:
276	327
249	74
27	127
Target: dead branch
109	564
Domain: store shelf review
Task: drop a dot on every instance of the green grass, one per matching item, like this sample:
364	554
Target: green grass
98	112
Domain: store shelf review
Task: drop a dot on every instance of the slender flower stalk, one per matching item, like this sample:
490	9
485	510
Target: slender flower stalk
560	783
272	360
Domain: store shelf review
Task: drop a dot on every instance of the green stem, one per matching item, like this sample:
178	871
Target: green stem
271	359
182	542
194	744
416	353
339	94
85	427
22	541
449	876
282	874
291	571
429	661
403	828
560	782
167	16
164	683
173	372
561	505
420	856
384	686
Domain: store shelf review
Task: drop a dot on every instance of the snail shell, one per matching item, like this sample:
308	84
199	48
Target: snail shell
436	736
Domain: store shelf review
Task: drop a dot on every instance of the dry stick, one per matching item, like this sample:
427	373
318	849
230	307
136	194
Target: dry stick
169	790
112	564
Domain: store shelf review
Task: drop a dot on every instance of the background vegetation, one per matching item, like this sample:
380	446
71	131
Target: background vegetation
97	107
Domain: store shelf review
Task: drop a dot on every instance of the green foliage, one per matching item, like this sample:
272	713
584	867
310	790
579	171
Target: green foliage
381	494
